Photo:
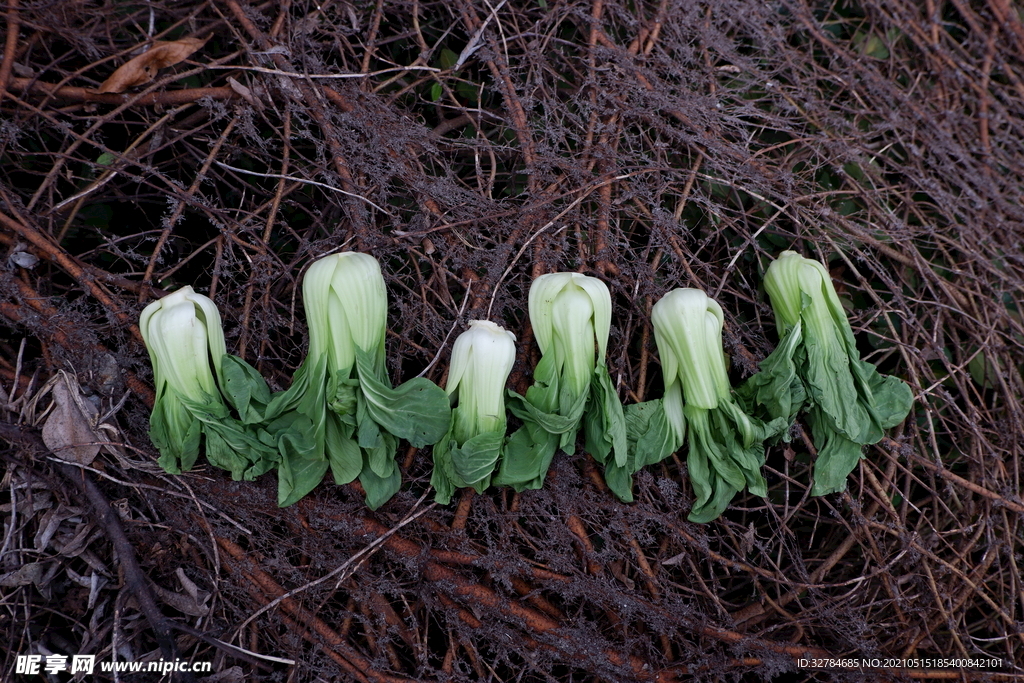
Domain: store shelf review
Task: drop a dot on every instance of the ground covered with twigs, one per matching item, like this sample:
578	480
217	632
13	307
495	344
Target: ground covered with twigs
471	146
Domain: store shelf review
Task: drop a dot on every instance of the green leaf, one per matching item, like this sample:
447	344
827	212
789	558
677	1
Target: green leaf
837	455
292	431
296	418
888	399
343	396
444	473
448	58
719	495
474	461
527	456
742	442
752	431
342	451
468	92
435	92
239	447
306	394
830	384
176	434
552	423
230	444
984	369
222	455
530	450
379	489
620	481
704	443
368	432
649	435
715	476
550	404
266	459
179	427
777	387
872	45
381	459
605	423
297	474
700	474
245	388
444	489
544	392
417	411
725	456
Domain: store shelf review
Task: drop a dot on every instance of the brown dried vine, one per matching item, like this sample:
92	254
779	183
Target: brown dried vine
471	146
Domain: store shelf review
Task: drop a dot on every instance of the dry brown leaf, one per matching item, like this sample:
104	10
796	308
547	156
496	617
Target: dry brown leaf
195	592
68	431
143	69
74	543
50	522
32	572
185	604
245	93
30	506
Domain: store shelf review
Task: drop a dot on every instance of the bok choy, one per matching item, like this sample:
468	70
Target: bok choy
571	317
192	375
482	358
726	448
341	410
817	368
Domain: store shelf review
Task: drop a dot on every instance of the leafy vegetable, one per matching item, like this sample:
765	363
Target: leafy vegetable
571	317
482	358
183	335
726	449
650	440
817	367
341	410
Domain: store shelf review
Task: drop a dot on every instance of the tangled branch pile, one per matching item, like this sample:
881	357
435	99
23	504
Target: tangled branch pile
470	147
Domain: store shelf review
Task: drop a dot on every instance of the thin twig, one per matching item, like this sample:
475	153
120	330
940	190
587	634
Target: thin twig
352	562
304	181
